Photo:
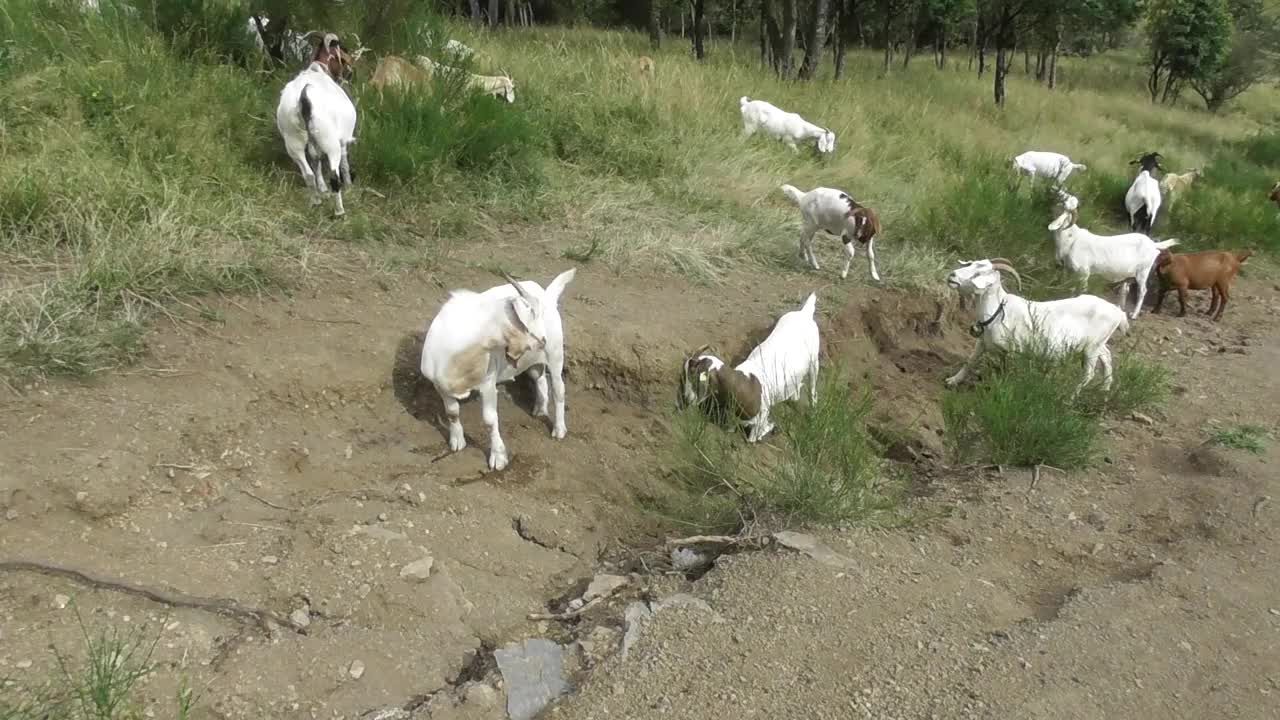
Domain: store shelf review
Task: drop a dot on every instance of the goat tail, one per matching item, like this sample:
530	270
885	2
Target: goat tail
793	192
334	160
809	304
1163	244
556	287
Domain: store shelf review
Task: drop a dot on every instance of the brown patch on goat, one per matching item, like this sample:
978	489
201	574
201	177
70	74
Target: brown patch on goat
866	225
467	368
395	70
1212	270
333	56
729	390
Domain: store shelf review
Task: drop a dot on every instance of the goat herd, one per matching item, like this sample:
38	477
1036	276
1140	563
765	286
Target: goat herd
478	340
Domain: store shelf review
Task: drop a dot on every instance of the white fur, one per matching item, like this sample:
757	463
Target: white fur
498	85
1144	191
827	209
788	127
1115	257
327	136
1084	322
1038	163
781	364
1070	202
469	318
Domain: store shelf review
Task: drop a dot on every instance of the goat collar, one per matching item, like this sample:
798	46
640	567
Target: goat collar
978	328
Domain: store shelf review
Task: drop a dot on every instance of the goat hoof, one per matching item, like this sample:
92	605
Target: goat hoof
559	433
457	442
498	459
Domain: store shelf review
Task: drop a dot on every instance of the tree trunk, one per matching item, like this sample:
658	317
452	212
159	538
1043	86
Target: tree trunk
788	37
1026	60
888	39
493	13
655	24
475	11
843	26
733	22
699	29
1002	65
1053	67
511	12
980	42
764	33
816	35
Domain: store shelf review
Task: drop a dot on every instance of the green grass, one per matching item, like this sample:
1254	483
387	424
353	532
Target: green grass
140	164
1024	410
818	466
1241	437
104	681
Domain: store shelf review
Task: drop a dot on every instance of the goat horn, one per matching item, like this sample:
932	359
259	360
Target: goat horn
503	274
1009	269
701	350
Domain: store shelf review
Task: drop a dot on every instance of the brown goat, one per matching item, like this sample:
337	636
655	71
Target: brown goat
395	70
644	64
1207	270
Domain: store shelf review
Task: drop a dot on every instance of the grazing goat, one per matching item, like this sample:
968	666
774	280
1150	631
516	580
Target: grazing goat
1207	270
834	212
1003	321
395	70
500	86
644	65
478	340
788	127
1173	184
1143	198
1115	257
318	122
774	372
1038	163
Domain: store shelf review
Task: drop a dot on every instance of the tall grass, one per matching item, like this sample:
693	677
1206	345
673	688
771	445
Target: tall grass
819	465
1025	411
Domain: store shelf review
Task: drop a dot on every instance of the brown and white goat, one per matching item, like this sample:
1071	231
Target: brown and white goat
1206	270
644	65
396	71
835	212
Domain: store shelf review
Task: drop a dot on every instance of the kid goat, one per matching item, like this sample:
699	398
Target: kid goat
478	340
774	372
1115	257
1004	321
1038	163
834	212
318	122
779	124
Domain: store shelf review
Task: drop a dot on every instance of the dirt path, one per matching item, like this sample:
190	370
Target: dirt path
287	458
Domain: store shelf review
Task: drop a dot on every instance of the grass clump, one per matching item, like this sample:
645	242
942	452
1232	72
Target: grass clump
1241	437
104	683
819	465
1026	412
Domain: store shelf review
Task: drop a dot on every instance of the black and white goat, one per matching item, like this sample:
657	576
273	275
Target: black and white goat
318	122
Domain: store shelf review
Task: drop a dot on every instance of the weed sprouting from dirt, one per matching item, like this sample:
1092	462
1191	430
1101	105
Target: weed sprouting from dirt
819	465
1025	410
103	683
1241	437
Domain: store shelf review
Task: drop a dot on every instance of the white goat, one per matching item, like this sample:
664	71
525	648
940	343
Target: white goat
1070	202
497	85
774	372
1173	184
1038	163
478	340
318	123
834	212
1143	197
1115	257
788	127
1004	321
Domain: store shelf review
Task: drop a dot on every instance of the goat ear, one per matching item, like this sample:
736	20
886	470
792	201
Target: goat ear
523	311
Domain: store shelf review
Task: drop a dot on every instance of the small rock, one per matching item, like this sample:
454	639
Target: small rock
810	546
480	694
634	618
1098	519
686	559
364	590
1274	611
61	601
1185	645
82	496
22	664
356	670
533	675
300	617
270	559
418	570
1141	419
383	517
11	515
603	586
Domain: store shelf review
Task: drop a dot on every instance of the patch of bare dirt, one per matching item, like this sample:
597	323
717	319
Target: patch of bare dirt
295	462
